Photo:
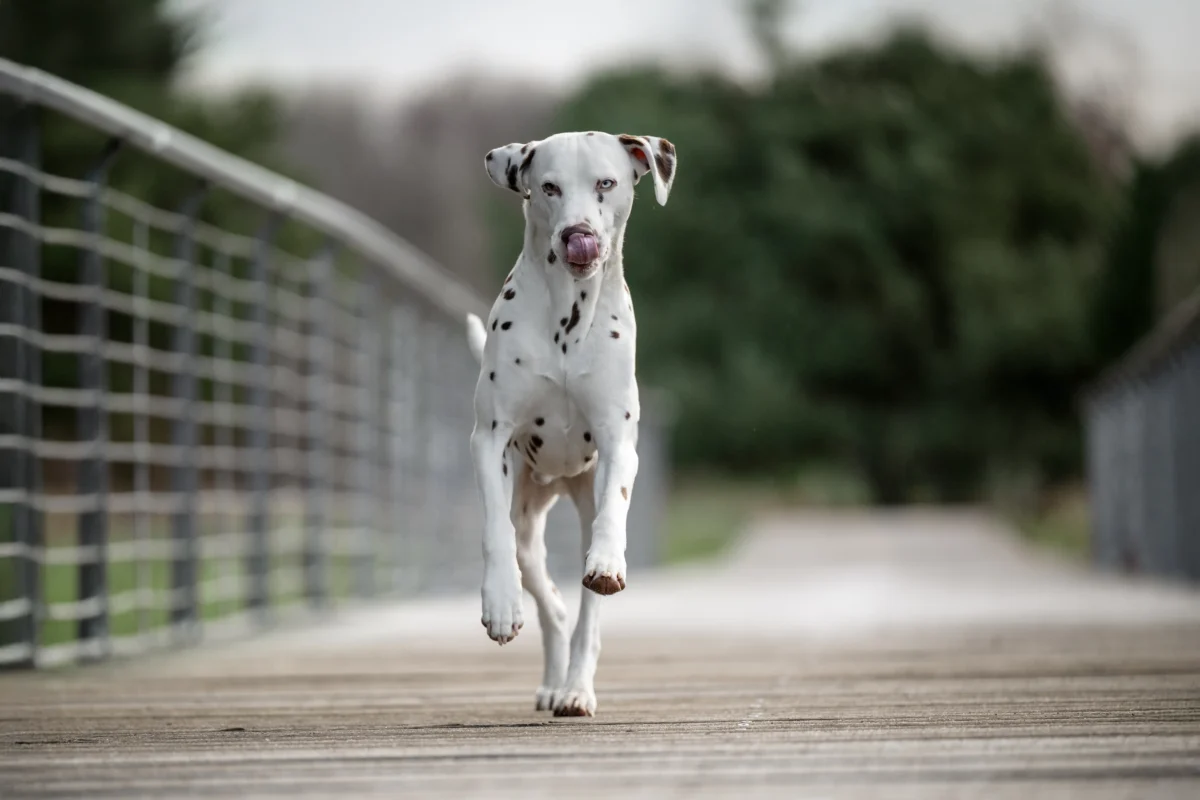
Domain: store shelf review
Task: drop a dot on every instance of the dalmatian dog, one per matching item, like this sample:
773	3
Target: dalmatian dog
556	403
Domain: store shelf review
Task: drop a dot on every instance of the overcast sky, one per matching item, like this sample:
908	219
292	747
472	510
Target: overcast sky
399	46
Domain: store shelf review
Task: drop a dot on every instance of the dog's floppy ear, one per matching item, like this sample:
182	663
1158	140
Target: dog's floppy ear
654	155
508	166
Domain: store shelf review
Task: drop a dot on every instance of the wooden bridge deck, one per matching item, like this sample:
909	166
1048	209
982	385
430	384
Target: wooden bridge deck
855	656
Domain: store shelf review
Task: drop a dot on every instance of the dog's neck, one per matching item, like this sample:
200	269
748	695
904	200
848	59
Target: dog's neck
563	291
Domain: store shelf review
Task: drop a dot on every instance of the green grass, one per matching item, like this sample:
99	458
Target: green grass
1060	525
702	522
60	581
61	585
705	515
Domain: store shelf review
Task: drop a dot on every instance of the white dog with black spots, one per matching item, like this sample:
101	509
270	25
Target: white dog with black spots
556	404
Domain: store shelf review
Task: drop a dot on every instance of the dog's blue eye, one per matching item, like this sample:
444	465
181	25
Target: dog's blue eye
607	183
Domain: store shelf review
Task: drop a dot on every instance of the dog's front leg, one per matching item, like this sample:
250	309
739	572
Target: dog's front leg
604	565
501	591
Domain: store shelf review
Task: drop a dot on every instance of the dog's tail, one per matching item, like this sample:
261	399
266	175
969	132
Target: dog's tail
476	336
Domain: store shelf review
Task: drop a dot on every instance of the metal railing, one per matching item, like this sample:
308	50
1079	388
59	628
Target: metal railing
1143	443
203	428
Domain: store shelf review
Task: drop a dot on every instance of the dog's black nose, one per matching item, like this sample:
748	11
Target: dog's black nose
586	230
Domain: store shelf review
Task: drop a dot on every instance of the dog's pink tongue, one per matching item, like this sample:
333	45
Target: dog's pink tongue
582	248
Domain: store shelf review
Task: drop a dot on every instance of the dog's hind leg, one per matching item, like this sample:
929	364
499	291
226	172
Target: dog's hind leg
531	503
578	696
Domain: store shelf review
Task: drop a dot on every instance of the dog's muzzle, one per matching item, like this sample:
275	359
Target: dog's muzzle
581	244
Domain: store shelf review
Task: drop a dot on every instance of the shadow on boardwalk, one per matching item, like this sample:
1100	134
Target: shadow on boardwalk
912	655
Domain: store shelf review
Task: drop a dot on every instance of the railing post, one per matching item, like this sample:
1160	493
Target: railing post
437	452
364	494
1171	534
141	425
385	510
93	418
1189	473
402	414
27	520
185	574
258	556
316	562
224	419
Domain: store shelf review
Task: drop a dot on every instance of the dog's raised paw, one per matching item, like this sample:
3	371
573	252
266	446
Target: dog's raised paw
503	615
604	583
604	575
576	703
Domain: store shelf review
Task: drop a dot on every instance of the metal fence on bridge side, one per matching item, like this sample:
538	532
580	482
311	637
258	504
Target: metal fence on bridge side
1142	420
249	402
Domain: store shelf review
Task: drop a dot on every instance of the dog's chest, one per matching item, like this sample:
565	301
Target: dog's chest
546	371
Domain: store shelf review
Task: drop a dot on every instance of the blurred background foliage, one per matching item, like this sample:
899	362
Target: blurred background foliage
897	261
132	51
881	257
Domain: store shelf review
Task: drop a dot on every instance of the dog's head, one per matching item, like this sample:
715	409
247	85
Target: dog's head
579	188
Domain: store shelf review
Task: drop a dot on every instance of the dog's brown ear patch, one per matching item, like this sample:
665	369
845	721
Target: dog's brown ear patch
655	155
636	147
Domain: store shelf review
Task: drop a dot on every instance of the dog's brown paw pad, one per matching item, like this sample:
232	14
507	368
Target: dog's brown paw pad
604	584
575	703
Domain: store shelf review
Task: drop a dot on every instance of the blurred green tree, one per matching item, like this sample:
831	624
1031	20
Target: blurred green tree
133	51
882	258
1140	281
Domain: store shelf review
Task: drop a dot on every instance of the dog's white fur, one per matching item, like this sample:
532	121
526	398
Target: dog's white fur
556	403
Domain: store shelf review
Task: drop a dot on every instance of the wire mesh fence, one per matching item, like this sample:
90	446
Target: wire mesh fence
1143	437
214	413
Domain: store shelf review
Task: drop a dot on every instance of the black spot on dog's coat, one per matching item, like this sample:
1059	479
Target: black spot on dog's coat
587	436
540	421
518	361
552	257
574	317
614	316
510	294
491	376
615	335
511	170
528	160
563	321
626	415
506	326
490	156
494	324
564	348
505	468
583	295
493	424
556	335
536	441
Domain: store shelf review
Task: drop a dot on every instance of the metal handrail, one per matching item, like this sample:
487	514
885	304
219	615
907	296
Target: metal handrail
251	181
333	427
1177	328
